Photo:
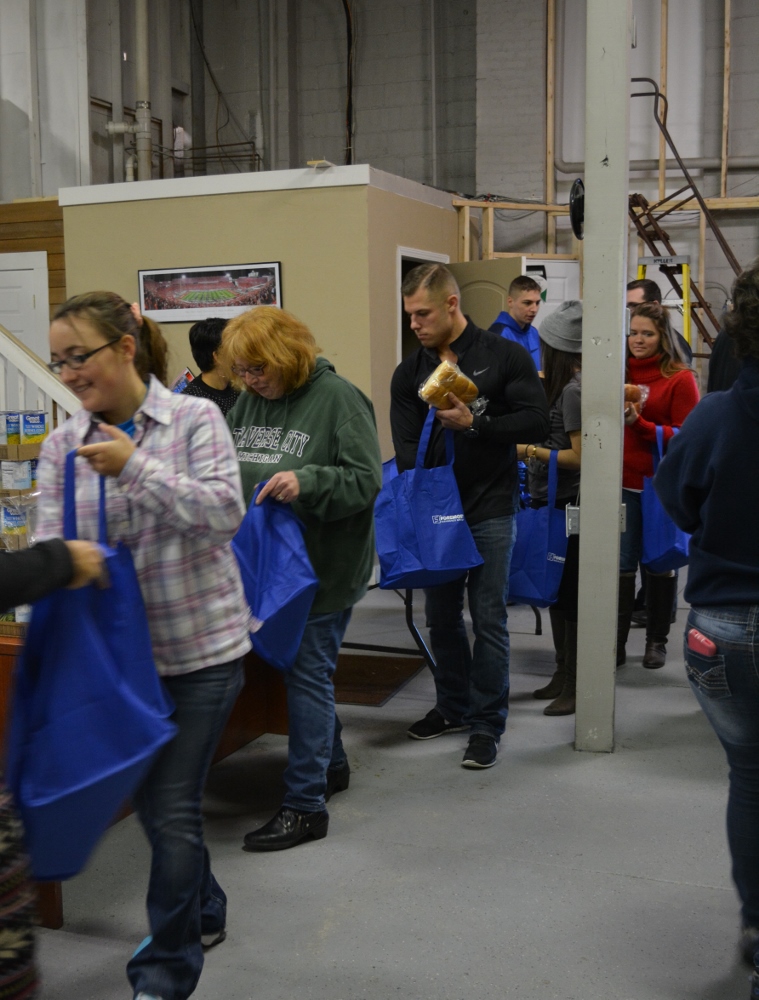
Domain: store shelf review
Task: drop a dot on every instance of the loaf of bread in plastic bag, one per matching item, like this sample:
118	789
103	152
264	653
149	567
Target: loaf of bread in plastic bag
447	378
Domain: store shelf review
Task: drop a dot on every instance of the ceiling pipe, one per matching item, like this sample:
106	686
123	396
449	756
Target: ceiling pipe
141	129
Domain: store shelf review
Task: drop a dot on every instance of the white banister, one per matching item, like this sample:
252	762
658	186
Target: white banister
31	370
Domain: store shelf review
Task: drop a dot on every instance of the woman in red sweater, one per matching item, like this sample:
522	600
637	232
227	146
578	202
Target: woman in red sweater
653	362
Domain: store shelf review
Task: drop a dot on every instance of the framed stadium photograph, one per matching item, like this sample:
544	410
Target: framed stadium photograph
187	294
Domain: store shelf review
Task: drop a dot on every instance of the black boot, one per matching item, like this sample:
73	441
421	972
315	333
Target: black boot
556	684
565	703
624	615
659	597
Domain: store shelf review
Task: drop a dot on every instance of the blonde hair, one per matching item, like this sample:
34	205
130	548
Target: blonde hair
113	319
266	336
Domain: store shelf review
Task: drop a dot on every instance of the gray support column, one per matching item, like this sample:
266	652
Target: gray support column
605	268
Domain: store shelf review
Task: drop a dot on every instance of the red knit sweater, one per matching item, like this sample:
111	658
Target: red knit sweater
669	402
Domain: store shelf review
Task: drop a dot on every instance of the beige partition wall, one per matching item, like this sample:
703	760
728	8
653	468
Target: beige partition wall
397	222
336	235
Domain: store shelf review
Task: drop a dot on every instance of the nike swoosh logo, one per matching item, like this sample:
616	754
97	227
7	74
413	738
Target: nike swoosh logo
481	371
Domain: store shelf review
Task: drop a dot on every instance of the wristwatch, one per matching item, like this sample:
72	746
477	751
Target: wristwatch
472	432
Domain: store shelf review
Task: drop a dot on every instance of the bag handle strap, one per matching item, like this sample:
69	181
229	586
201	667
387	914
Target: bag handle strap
553	478
658	448
69	503
424	440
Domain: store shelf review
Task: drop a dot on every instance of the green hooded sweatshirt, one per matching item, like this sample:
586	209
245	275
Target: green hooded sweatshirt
326	433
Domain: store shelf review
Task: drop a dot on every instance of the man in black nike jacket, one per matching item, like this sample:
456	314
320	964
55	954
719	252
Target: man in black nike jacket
472	686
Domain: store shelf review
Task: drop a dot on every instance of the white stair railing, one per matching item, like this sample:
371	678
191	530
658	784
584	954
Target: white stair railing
27	384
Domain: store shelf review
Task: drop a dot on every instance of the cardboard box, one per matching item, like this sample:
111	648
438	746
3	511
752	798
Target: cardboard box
17	493
19	452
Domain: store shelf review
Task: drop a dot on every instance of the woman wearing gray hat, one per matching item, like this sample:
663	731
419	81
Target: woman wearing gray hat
561	346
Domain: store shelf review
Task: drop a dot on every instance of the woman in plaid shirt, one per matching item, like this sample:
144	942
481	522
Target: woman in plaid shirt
174	497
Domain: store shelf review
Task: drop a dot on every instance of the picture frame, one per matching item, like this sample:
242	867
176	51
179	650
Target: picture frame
189	294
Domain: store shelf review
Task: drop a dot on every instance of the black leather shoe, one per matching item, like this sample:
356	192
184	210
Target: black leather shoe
338	779
288	828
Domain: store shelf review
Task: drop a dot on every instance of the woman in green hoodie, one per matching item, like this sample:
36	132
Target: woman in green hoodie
311	437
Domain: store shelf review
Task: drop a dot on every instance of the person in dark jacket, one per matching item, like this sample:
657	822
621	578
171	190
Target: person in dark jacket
724	366
708	483
26	577
472	687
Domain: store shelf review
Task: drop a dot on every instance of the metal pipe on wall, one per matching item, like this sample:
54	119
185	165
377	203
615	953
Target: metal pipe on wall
725	103
143	137
273	85
433	94
663	53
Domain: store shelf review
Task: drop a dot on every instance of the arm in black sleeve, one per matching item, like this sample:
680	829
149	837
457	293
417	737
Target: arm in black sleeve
406	419
685	474
527	419
27	576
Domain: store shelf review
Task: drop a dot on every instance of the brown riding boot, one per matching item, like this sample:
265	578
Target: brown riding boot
556	684
624	615
659	597
565	703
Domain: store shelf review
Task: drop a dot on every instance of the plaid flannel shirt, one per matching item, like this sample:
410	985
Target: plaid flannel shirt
177	504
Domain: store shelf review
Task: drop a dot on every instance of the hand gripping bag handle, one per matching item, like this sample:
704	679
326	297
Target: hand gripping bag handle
424	441
69	503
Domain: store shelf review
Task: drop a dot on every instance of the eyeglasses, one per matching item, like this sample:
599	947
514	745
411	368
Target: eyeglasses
75	361
241	372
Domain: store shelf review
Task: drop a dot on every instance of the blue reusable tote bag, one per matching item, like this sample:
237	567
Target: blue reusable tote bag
537	560
278	579
665	546
89	712
422	537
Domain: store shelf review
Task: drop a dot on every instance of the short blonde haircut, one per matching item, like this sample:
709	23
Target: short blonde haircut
270	337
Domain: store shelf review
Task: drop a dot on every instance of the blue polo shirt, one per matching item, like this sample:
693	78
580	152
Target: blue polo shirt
508	327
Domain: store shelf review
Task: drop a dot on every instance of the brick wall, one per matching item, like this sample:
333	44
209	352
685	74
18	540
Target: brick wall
511	113
392	82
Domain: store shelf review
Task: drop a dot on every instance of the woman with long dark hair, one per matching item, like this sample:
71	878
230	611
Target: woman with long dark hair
709	485
653	363
561	346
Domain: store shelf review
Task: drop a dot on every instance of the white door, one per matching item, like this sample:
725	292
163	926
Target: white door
24	312
559	280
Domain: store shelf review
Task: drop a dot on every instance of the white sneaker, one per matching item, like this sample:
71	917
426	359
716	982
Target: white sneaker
147	996
209	940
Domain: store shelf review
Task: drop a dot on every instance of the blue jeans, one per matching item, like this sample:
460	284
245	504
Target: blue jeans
184	899
727	688
314	743
631	540
472	686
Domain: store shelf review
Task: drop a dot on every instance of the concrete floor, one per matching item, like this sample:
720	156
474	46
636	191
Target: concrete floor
554	874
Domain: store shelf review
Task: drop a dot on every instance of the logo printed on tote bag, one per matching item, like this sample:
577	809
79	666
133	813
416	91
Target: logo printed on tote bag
552	557
445	518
